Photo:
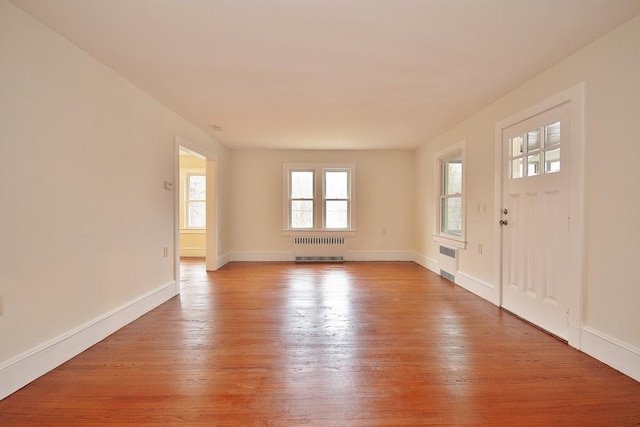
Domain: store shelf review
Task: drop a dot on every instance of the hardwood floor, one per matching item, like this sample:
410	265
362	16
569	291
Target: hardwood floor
336	344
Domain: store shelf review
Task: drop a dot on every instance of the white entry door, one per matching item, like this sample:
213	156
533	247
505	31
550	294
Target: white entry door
535	219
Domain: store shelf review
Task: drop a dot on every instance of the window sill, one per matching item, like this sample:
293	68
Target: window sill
193	230
302	233
456	242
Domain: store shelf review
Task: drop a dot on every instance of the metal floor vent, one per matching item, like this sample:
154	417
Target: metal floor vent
319	259
448	276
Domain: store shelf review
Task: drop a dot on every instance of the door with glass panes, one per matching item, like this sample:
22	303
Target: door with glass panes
535	219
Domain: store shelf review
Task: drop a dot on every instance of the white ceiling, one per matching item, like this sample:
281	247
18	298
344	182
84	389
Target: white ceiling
329	74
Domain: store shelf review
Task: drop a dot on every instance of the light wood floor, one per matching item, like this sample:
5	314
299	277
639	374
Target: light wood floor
342	344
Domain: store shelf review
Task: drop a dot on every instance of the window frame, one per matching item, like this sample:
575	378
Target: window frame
325	198
313	199
319	198
453	151
188	201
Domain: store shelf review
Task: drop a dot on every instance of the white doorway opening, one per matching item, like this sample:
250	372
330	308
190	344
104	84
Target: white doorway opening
195	214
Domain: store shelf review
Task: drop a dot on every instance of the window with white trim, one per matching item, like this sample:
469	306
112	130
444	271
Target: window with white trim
195	201
301	197
450	215
319	197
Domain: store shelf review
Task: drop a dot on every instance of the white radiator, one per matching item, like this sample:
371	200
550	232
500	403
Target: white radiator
319	249
448	260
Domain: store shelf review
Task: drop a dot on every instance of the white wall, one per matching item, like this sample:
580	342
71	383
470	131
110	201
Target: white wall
610	68
384	206
84	221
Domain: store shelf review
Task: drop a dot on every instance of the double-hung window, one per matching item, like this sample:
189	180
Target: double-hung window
301	201
336	199
195	201
319	197
450	193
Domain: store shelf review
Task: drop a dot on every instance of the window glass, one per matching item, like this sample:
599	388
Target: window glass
533	164
319	197
517	146
541	154
451	222
302	185
552	134
552	161
453	175
517	168
336	184
337	214
451	197
450	227
196	193
197	187
533	140
196	217
302	214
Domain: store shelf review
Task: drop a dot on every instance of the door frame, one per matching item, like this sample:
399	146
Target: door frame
575	97
212	262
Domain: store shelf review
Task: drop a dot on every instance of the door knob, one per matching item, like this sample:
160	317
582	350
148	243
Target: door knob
504	222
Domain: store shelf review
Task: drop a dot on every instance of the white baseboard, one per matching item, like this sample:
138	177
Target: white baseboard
374	256
26	367
358	256
262	256
476	286
192	252
618	355
223	260
428	263
611	351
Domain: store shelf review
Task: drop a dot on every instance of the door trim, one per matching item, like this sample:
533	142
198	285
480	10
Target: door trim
212	229
575	97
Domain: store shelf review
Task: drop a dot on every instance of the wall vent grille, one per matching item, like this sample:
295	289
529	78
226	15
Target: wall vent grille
319	248
448	261
450	252
319	240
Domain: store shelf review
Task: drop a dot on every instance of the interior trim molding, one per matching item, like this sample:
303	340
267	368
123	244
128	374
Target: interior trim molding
476	286
192	252
223	260
373	256
353	256
620	356
426	262
257	256
19	371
